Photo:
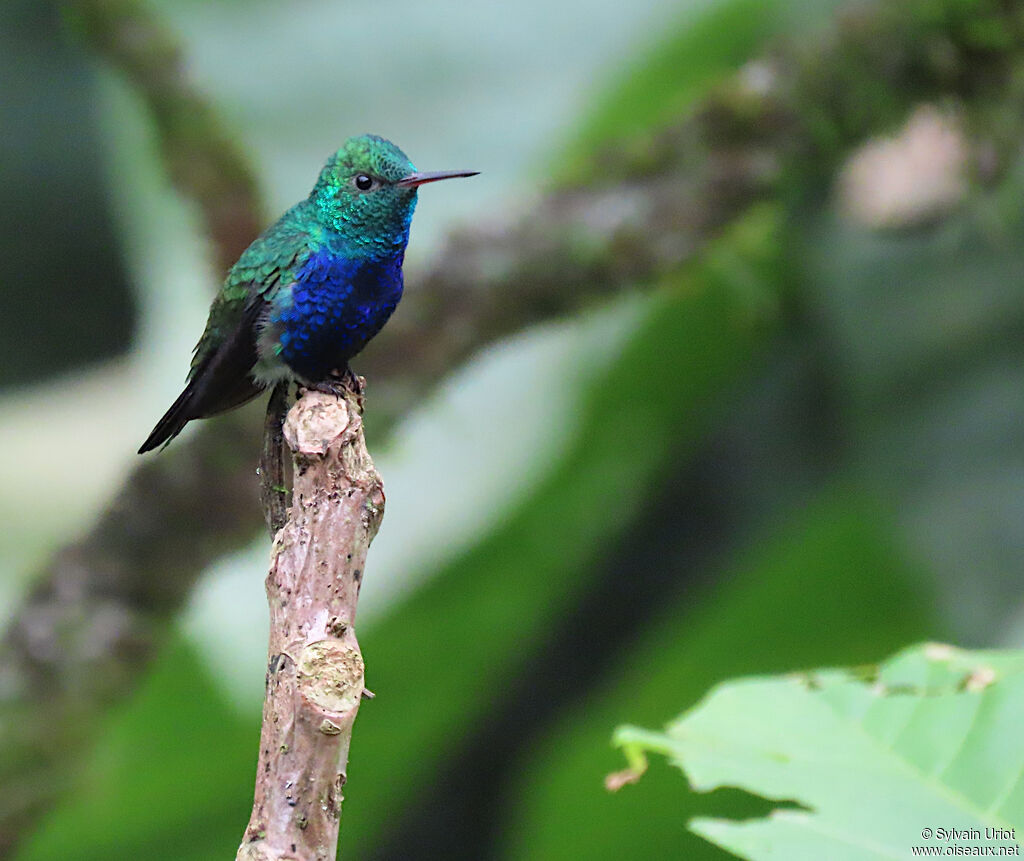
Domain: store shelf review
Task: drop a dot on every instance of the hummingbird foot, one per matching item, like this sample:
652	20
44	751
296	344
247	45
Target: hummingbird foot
341	384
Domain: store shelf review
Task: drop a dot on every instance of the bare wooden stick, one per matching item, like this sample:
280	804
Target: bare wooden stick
315	672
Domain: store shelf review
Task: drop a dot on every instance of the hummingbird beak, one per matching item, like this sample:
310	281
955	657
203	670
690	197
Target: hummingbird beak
422	177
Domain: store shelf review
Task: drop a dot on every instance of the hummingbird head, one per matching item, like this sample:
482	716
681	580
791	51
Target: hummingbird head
367	193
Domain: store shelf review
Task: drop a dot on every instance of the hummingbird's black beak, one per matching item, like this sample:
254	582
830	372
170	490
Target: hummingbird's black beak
423	177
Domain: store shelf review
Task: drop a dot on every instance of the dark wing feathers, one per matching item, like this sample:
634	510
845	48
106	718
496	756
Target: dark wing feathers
219	381
220	377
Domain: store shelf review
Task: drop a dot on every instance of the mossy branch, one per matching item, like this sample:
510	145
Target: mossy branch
204	161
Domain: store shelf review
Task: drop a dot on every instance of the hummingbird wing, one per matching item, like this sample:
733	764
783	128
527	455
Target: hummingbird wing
220	381
220	377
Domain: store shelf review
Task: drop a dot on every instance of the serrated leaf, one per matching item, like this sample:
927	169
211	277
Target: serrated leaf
929	740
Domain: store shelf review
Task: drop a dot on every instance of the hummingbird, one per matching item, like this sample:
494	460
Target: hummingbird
311	290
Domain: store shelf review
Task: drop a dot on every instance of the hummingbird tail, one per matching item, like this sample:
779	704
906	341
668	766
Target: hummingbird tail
200	400
221	382
179	415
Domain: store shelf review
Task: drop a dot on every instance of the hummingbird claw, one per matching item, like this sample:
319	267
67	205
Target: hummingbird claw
341	384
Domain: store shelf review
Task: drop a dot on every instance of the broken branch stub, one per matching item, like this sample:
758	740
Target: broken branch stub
315	670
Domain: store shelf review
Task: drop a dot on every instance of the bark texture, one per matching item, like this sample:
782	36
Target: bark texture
315	669
273	482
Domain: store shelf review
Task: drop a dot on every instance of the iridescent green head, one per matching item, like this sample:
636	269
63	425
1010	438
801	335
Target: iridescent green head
367	193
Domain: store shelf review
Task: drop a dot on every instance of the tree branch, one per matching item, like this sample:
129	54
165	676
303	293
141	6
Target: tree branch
89	627
315	670
205	163
98	609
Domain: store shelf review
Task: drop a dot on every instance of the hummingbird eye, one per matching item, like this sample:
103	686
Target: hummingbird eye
364	182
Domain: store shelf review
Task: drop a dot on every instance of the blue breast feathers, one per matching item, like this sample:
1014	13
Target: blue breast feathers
336	305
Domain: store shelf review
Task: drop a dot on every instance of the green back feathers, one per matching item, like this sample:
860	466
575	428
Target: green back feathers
265	267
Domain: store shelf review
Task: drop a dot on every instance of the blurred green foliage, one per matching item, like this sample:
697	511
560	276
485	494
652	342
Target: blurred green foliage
451	648
46	242
796	596
795	460
165	779
924	339
664	83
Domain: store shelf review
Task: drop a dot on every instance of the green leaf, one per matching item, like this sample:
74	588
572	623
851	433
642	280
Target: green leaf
877	755
796	593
